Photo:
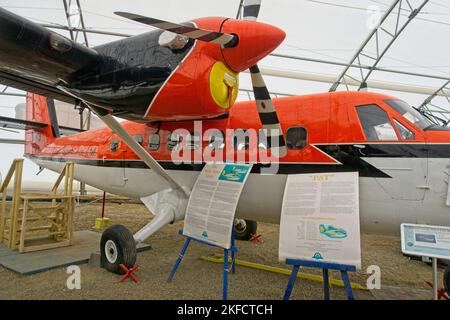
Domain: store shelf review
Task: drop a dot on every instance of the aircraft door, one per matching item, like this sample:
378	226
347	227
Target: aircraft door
393	152
116	175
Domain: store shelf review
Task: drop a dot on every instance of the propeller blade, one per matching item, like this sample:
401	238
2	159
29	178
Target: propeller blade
223	39
251	9
267	114
266	109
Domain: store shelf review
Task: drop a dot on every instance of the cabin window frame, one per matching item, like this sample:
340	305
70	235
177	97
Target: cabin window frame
173	144
304	144
237	143
152	144
193	140
139	139
399	127
114	142
213	143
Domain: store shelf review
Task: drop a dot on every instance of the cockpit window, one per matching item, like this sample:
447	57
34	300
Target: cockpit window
405	133
376	123
408	112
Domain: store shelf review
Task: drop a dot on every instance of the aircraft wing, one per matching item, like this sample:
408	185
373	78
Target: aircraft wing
36	59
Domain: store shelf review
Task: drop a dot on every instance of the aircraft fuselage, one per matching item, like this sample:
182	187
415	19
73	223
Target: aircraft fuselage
403	174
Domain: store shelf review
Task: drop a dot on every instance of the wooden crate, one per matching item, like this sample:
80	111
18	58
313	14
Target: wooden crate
37	221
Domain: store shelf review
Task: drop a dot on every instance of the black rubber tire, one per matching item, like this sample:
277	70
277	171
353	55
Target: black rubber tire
246	234
126	248
447	280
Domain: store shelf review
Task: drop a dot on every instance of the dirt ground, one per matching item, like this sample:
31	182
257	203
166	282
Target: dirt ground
198	279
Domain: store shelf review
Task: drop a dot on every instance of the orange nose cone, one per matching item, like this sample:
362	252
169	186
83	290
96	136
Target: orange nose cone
256	40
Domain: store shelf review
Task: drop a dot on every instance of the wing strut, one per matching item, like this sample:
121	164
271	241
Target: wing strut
117	128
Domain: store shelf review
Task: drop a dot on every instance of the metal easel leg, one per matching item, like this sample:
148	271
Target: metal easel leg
233	253
225	274
347	285
326	285
435	280
291	282
179	259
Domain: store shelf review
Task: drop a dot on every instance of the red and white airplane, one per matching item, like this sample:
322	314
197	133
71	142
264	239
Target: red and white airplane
170	79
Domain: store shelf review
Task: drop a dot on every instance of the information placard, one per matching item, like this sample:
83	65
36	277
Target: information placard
213	202
426	241
320	219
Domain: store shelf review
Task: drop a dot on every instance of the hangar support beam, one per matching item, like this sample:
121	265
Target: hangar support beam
75	20
441	115
379	41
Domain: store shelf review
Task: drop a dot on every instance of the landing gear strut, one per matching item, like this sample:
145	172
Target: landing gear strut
244	229
117	246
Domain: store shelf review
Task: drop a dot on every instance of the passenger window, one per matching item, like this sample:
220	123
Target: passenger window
296	138
193	141
216	140
241	140
405	133
114	145
173	141
376	123
153	142
138	139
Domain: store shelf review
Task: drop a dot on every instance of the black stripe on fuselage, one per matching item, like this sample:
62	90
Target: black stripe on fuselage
388	150
284	168
349	155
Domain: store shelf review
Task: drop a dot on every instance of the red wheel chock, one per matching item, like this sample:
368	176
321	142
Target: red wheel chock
442	294
256	238
129	273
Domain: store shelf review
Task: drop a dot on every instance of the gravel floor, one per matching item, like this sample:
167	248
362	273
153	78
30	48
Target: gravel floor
198	279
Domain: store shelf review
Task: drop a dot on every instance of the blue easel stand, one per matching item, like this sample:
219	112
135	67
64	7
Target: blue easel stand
233	250
326	281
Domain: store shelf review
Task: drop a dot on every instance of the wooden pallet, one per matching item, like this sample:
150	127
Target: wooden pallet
37	221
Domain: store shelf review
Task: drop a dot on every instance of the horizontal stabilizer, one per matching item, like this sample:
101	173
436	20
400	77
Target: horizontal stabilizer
19	124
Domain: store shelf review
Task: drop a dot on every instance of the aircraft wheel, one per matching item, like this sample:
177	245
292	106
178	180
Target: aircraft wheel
117	246
447	280
244	229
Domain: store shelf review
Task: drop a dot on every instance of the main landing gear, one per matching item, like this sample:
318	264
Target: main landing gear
117	246
244	229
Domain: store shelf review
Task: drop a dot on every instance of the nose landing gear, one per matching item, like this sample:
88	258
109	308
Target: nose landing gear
244	229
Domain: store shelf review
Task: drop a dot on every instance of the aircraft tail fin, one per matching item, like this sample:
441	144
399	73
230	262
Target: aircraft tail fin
39	110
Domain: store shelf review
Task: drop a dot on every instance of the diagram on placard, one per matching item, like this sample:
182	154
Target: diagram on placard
234	173
332	232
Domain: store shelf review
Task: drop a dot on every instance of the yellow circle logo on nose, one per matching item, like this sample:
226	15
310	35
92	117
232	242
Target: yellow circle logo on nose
224	85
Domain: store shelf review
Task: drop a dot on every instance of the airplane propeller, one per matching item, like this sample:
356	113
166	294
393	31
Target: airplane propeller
266	109
224	39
